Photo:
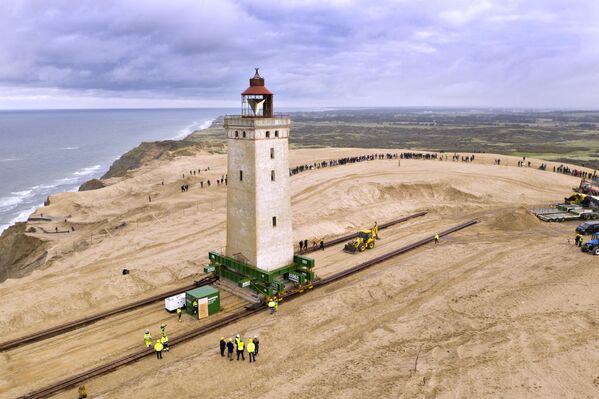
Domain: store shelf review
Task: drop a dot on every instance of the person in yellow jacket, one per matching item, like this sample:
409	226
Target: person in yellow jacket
83	392
179	311
240	349
252	350
375	231
271	306
148	338
437	238
164	342
158	348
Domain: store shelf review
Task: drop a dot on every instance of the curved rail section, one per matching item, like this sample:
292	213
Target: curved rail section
248	311
73	325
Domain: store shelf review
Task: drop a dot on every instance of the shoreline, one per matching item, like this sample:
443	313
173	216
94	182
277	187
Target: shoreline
72	182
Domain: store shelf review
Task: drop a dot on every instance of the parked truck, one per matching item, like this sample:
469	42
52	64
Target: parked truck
591	246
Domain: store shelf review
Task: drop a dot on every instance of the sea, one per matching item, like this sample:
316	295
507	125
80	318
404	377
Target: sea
50	151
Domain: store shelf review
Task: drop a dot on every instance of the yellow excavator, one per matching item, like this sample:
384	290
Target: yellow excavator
577	198
364	239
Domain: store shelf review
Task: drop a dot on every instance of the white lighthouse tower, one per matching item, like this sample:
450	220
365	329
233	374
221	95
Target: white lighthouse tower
259	224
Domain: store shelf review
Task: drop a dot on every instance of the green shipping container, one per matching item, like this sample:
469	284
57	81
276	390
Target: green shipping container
208	301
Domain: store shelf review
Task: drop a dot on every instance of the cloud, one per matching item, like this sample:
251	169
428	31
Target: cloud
345	52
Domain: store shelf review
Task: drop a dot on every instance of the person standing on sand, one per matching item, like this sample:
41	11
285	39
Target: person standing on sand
230	349
223	346
252	350
579	239
164	342
179	312
322	245
437	238
305	244
158	348
148	338
257	343
301	245
240	349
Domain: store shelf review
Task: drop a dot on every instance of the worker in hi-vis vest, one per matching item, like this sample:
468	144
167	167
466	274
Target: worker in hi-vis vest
158	348
147	338
252	350
240	349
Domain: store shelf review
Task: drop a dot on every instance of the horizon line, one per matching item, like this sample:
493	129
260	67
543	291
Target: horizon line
324	108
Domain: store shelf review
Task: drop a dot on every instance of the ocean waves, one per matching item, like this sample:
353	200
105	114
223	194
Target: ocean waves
189	129
57	151
17	206
88	171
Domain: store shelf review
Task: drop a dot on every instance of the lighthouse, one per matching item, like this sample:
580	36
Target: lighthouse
259	224
259	250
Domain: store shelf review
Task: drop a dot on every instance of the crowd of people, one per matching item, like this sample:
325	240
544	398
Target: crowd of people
238	344
226	346
380	156
303	245
418	155
161	344
463	158
340	161
575	172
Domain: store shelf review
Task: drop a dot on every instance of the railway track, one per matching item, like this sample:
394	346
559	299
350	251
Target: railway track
248	311
73	325
348	237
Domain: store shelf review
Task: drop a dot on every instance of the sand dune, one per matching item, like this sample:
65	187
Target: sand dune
503	309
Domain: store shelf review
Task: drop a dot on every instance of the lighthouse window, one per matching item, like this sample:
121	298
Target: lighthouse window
236	133
244	135
241	175
267	134
272	175
274	221
276	133
272	153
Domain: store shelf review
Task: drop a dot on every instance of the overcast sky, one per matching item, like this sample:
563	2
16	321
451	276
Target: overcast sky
193	53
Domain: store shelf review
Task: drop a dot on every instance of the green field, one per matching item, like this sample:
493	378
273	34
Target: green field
563	136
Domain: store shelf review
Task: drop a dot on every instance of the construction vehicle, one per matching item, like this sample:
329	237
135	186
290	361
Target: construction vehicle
591	246
590	187
364	239
576	199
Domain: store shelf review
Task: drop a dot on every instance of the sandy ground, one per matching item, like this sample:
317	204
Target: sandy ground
503	309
